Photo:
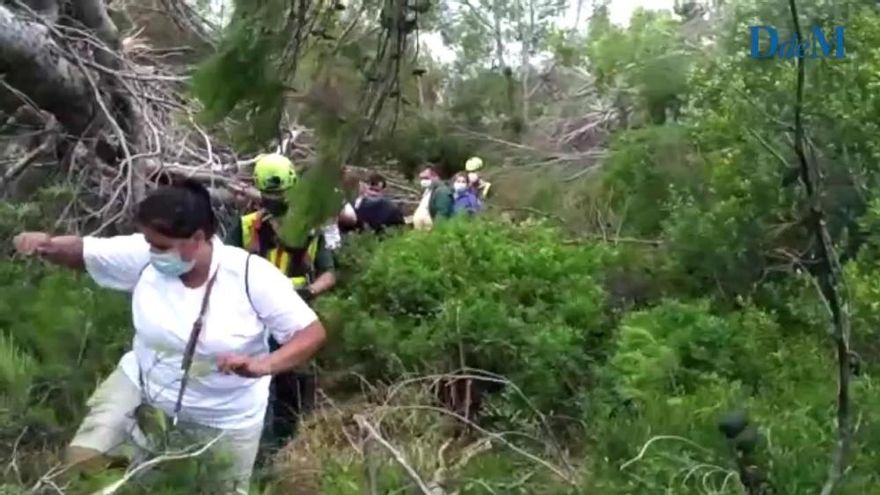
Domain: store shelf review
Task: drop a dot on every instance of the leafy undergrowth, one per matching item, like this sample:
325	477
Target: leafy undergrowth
646	382
59	335
605	379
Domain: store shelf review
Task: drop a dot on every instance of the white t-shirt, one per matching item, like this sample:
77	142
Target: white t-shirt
332	235
163	312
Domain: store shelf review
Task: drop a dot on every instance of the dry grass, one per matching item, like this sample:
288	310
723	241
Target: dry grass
332	432
400	427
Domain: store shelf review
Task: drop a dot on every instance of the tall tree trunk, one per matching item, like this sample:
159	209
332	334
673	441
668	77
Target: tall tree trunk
497	34
526	30
93	13
577	16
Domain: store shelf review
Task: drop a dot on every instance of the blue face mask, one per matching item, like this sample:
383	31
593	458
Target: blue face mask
170	263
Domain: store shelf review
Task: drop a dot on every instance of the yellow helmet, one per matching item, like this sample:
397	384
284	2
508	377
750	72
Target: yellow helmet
273	172
473	164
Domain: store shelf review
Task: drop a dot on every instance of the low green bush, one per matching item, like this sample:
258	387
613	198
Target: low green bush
679	367
507	299
674	347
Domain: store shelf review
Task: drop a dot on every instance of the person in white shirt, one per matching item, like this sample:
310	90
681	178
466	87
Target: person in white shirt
345	221
332	233
169	268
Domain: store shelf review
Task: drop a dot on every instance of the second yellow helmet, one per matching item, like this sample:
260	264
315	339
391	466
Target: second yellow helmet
473	164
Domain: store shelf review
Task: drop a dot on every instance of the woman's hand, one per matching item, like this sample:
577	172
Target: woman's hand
29	243
65	250
242	365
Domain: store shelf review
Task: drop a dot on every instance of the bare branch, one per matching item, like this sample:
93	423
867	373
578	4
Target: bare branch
114	487
479	15
499	437
829	279
19	166
396	454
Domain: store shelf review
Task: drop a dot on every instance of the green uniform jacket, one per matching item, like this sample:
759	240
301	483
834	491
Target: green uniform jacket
442	202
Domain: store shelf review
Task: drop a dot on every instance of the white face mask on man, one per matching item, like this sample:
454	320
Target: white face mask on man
426	183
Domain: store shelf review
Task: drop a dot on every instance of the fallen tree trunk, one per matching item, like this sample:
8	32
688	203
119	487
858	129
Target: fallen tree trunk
32	63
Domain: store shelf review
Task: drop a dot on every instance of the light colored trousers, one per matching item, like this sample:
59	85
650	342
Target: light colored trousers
110	427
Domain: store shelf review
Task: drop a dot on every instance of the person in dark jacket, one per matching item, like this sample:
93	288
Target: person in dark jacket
374	210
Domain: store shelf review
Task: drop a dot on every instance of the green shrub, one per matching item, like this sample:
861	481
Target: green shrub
507	299
679	367
59	336
421	139
643	168
675	346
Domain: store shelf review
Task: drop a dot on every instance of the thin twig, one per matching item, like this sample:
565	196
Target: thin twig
650	442
395	453
13	461
114	487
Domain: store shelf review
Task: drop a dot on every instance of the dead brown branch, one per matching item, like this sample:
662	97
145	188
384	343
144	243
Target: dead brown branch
500	438
19	166
402	414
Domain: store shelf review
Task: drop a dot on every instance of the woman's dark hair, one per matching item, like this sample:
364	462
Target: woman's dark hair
376	180
178	211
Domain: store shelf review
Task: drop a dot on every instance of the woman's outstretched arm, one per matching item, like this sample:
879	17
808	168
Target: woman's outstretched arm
304	344
65	250
113	262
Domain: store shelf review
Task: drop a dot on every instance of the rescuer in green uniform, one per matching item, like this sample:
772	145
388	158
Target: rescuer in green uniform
310	268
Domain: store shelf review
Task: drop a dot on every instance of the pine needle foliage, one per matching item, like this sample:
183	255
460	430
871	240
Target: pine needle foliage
243	80
315	199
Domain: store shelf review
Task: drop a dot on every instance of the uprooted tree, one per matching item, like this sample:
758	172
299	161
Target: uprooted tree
102	109
111	110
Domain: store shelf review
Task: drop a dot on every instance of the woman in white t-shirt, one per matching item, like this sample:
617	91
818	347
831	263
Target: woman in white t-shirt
169	267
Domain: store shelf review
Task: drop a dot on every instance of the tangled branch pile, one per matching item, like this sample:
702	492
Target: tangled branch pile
106	109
